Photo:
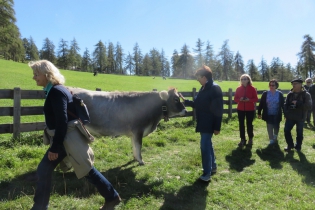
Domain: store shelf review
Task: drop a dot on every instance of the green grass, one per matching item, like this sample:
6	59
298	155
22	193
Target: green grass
256	178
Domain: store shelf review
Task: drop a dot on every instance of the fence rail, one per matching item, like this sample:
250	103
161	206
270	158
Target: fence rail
17	110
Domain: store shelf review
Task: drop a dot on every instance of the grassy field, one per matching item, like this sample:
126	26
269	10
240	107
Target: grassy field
260	177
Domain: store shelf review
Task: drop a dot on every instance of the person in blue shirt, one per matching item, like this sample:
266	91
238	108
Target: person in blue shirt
271	106
209	110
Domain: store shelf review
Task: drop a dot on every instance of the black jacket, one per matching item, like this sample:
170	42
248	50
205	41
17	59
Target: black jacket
209	108
58	100
303	104
264	108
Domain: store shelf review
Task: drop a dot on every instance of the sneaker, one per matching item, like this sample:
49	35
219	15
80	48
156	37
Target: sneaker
250	142
111	205
242	143
205	178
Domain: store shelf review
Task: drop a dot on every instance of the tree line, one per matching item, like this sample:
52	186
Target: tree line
110	58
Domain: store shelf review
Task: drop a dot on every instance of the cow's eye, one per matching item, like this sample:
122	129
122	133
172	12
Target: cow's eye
176	100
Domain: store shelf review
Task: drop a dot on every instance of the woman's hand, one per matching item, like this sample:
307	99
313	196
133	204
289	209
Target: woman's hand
216	132
52	156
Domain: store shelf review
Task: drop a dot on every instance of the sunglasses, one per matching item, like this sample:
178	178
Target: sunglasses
272	85
244	79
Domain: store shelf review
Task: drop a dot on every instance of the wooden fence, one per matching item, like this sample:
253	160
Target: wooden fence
17	110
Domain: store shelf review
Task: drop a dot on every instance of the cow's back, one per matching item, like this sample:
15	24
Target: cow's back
121	113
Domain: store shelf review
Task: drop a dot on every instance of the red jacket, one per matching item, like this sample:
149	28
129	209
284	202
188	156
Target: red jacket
248	92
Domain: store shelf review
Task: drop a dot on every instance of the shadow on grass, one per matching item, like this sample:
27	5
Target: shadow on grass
124	181
303	167
240	158
188	197
272	154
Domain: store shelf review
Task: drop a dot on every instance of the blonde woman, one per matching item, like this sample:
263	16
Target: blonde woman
58	102
246	97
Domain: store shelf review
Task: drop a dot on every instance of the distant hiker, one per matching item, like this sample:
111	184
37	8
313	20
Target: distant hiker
95	73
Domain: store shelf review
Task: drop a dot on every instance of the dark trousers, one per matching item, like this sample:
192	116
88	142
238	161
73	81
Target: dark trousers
289	124
44	174
249	115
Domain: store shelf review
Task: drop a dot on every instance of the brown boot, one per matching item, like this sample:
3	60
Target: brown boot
111	205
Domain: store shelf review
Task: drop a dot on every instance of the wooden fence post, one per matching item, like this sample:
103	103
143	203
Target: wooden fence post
16	112
230	103
193	98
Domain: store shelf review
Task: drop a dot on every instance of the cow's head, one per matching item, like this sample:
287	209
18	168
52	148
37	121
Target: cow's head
172	102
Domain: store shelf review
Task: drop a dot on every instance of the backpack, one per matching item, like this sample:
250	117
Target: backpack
81	110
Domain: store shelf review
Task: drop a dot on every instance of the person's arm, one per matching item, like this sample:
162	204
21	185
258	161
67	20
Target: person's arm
186	101
262	103
237	97
254	96
59	104
217	108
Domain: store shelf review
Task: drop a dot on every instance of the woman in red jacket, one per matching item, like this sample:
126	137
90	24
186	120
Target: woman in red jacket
246	97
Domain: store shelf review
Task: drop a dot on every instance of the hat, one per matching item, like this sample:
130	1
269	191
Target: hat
297	80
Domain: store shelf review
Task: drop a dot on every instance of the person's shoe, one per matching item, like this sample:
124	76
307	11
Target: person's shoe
288	149
250	142
111	205
205	178
242	143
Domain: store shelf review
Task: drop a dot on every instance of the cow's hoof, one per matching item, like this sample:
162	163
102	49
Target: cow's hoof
141	163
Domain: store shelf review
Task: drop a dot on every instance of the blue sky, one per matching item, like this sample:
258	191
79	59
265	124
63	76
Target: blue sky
255	28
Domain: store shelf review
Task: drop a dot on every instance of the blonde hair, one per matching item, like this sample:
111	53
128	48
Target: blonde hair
52	73
248	77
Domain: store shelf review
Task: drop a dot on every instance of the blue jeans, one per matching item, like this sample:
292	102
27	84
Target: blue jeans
289	124
44	175
207	153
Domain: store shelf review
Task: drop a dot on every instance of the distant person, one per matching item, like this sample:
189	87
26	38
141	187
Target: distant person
272	106
246	97
164	78
209	110
307	87
66	137
297	103
95	73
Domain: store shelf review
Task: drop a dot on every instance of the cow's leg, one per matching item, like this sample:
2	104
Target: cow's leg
136	146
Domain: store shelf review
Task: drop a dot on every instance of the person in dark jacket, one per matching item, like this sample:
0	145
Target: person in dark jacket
297	103
209	110
58	101
246	96
307	87
272	106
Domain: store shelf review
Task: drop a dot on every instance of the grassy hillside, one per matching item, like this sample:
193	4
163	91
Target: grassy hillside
20	75
260	177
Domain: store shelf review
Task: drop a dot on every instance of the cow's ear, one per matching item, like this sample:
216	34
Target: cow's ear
164	95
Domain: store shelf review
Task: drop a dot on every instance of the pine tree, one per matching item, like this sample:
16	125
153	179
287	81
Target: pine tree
156	62
199	57
137	59
209	56
263	69
111	68
147	65
63	52
86	61
74	58
307	57
252	70
48	51
99	56
185	62
226	59
238	65
129	64
175	64
119	58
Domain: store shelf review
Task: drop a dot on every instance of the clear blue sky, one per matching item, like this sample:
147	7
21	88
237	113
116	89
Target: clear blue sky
255	28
